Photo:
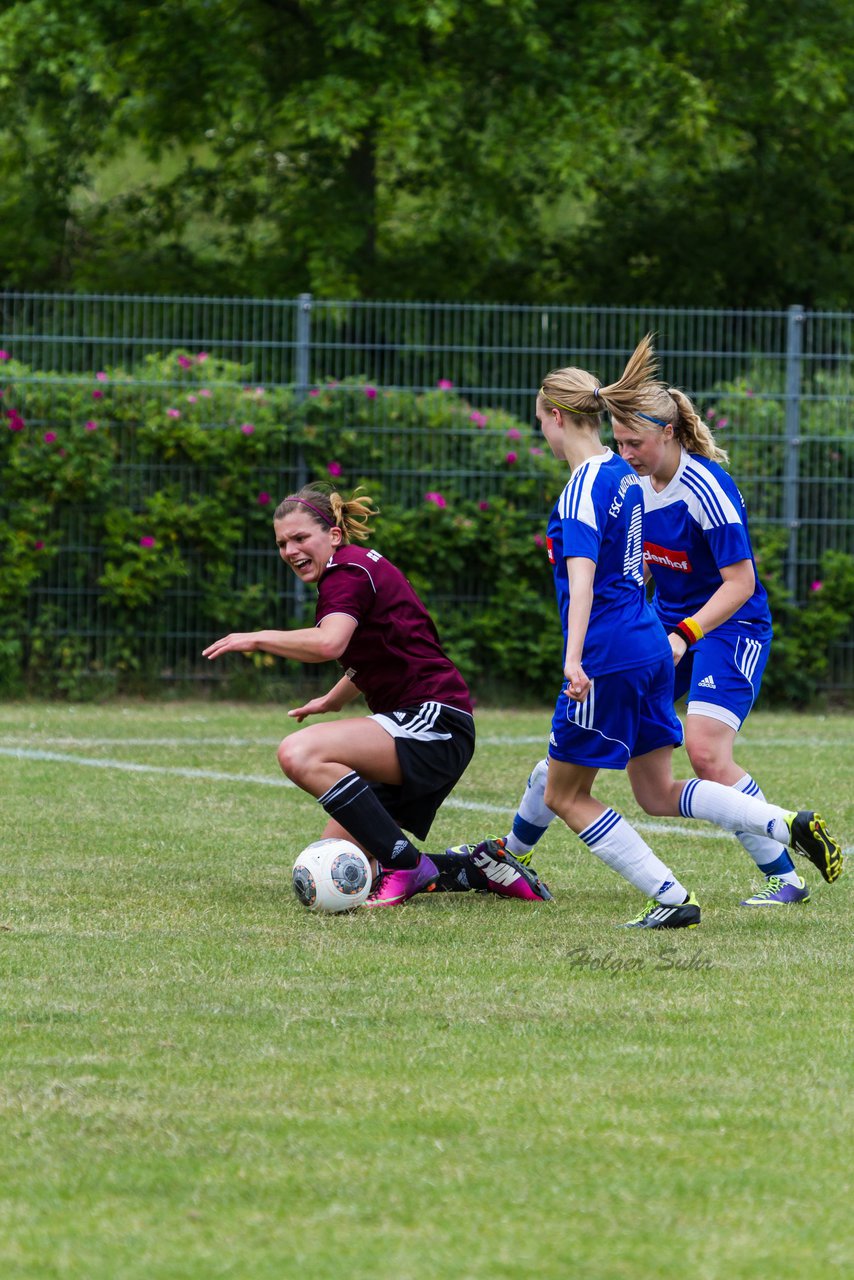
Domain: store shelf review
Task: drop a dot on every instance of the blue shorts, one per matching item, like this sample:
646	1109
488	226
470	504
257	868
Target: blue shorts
722	673
625	714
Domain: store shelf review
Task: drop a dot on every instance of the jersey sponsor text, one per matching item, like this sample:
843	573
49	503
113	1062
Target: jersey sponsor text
668	557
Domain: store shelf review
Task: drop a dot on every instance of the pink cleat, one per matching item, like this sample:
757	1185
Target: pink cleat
492	868
394	887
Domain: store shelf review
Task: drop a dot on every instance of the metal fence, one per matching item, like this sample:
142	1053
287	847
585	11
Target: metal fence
777	386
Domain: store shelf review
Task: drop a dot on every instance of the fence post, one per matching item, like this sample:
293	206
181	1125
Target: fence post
794	350
303	346
302	371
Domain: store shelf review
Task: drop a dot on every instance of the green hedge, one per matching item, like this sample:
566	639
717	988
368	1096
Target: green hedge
136	526
130	502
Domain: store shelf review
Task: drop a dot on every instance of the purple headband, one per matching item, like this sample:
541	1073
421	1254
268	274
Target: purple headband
293	498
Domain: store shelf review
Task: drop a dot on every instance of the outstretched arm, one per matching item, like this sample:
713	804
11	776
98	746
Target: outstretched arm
322	643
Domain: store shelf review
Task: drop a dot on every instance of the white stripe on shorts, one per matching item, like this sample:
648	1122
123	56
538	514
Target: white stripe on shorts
417	726
750	655
584	712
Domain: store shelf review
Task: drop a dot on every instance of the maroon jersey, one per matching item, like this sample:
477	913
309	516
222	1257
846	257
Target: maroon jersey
394	656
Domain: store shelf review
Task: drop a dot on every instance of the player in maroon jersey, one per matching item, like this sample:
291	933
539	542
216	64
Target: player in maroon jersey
373	774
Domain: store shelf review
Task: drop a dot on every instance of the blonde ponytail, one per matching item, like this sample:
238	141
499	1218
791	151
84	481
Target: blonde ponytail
578	392
327	507
691	431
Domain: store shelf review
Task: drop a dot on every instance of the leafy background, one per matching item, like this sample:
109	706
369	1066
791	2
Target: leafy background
137	527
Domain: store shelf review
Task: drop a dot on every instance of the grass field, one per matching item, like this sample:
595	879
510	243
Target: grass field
199	1078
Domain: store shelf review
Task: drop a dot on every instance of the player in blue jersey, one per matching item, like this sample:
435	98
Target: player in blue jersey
616	701
594	605
709	598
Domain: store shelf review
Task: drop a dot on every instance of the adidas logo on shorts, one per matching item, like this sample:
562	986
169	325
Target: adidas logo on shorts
707	683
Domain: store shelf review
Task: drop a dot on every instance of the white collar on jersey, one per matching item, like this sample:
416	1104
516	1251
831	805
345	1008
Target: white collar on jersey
597	460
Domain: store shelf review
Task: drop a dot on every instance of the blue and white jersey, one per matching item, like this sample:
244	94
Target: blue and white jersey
692	529
599	516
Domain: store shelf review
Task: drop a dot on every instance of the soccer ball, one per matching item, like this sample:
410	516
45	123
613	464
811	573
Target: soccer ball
332	875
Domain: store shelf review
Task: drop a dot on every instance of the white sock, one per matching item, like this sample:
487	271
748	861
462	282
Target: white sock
732	810
771	858
533	815
620	847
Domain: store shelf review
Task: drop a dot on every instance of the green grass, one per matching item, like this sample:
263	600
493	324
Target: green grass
198	1078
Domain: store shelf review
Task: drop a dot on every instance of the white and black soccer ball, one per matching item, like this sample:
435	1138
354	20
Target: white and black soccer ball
332	875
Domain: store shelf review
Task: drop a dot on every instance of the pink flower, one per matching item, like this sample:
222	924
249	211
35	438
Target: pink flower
91	425
539	540
38	545
314	392
259	391
192	399
16	422
185	362
101	377
146	541
511	458
750	394
722	422
4	355
332	382
817	585
247	428
435	497
444	384
204	392
371	393
538	453
710	413
202	357
514	434
334	468
97	395
479	419
263	499
49	437
173	413
483	506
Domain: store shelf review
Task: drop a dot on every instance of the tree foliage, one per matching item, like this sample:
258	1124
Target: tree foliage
696	151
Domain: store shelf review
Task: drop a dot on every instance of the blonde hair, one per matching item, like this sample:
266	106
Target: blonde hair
326	506
580	393
636	398
670	405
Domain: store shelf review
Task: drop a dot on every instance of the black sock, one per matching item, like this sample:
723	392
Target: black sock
351	802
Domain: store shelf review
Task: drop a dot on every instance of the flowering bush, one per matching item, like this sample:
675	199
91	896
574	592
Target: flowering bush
134	532
155	515
803	637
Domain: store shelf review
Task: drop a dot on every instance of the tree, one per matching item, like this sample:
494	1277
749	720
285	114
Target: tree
480	149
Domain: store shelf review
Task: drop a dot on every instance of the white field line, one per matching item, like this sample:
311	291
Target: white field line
215	775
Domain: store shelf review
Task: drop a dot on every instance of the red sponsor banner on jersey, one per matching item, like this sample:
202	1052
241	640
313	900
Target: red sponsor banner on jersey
668	557
550	548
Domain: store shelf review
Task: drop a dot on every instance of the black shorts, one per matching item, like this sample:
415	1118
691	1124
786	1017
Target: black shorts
434	745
